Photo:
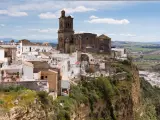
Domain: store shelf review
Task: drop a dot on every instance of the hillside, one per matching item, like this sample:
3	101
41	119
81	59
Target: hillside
94	99
151	101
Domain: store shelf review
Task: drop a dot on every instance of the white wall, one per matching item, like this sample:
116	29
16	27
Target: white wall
19	49
2	54
34	48
36	76
27	72
121	50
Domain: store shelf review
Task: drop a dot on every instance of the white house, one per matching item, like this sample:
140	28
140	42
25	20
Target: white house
69	65
2	54
120	53
25	46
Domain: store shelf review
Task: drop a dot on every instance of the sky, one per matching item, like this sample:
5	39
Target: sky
137	21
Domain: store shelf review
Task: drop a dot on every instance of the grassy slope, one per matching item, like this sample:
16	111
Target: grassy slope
10	97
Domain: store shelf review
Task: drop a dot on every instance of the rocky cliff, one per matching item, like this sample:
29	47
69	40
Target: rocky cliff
106	98
94	99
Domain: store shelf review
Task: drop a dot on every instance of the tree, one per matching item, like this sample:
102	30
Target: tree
12	41
17	74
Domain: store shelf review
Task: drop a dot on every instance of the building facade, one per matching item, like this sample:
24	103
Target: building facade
25	46
69	42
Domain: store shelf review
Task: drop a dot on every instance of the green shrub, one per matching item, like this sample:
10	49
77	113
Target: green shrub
88	93
63	115
12	88
1	101
126	62
118	70
129	76
43	96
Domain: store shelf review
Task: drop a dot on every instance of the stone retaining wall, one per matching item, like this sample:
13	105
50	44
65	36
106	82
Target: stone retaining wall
41	85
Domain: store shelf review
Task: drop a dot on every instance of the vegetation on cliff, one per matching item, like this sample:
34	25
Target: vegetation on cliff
88	94
17	102
94	99
104	98
13	95
151	101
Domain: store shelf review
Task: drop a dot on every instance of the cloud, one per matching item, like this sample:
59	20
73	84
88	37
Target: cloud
111	34
43	5
48	30
80	31
18	26
17	14
47	15
93	17
2	25
78	9
108	21
13	13
128	35
37	6
34	35
3	12
50	15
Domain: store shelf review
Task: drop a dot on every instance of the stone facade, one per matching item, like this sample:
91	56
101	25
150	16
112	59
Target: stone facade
65	32
69	42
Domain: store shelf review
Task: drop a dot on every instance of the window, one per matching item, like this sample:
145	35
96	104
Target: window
5	54
42	77
45	76
64	90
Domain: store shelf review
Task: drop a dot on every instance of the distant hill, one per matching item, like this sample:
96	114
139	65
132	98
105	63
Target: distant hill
40	41
7	39
124	43
53	44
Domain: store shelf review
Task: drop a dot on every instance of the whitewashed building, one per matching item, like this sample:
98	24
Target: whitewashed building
119	53
69	65
2	54
25	46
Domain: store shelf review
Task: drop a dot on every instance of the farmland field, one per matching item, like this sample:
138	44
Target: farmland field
151	57
146	55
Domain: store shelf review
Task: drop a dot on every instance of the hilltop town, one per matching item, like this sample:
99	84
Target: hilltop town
41	67
83	78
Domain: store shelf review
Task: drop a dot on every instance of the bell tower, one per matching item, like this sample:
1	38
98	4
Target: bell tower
65	32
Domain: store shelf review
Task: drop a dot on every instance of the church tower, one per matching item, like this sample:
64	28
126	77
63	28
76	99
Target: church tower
65	32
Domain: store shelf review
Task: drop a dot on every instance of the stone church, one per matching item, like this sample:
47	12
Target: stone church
68	41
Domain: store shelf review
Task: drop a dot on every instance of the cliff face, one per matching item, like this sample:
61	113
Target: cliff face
136	92
25	105
106	98
36	112
97	99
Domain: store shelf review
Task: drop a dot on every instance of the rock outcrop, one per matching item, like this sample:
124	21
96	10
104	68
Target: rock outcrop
91	100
